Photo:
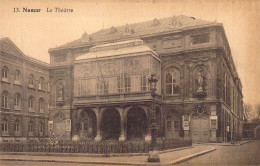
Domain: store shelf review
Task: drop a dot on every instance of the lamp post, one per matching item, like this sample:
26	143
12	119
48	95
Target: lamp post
153	152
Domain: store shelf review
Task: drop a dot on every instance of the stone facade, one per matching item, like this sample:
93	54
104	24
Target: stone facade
24	95
199	93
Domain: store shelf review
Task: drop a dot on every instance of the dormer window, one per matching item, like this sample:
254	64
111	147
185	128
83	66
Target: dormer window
113	29
85	37
175	22
128	30
156	22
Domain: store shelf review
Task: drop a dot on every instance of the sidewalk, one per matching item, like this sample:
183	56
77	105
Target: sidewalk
166	158
227	143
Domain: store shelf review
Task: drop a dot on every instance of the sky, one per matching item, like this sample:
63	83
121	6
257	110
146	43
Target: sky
35	33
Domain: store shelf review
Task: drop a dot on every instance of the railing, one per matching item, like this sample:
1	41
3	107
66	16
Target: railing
103	147
115	97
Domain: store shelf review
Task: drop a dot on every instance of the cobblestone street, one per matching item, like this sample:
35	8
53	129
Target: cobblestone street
247	154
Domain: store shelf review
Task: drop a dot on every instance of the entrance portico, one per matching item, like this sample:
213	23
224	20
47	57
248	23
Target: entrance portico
112	123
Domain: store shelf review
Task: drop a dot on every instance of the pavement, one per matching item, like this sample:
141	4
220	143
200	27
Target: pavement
169	157
238	143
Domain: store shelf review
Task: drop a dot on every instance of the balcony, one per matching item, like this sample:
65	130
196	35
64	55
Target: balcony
115	98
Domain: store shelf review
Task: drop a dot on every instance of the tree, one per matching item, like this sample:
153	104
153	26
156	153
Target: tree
248	112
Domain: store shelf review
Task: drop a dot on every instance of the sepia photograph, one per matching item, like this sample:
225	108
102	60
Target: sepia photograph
121	82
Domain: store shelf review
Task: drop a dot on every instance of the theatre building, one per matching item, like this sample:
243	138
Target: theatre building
100	83
24	95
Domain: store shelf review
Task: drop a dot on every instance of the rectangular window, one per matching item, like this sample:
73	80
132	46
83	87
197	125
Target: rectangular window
60	58
144	83
127	84
102	86
199	39
169	89
120	84
176	89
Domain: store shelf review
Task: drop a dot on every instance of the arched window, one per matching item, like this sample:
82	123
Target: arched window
31	103
31	128
17	126
5	127
5	72
41	105
41	128
172	82
31	79
17	101
41	83
5	101
17	76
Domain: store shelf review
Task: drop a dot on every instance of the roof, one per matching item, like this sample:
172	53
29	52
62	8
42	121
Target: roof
129	48
152	27
7	46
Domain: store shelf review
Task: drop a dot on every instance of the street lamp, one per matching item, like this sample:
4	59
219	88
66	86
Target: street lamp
153	152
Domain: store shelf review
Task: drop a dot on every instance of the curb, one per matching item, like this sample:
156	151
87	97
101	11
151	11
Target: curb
177	161
223	144
180	160
236	144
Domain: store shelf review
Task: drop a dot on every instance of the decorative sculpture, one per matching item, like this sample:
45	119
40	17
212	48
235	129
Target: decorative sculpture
60	91
200	81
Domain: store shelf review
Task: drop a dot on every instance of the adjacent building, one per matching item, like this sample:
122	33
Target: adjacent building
24	95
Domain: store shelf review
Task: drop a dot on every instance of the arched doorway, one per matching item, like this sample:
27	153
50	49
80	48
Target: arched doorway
257	132
110	125
87	124
200	125
136	123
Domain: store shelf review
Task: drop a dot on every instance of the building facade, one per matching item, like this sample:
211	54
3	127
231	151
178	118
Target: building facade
24	95
99	83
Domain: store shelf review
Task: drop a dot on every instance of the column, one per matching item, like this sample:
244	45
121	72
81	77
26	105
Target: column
122	126
98	115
